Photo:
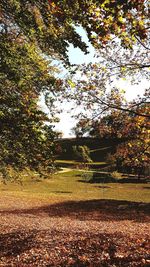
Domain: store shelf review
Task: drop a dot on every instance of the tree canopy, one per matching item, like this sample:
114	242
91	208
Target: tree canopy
33	34
132	133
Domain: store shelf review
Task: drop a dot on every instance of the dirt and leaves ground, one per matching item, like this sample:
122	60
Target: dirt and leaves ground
51	232
65	222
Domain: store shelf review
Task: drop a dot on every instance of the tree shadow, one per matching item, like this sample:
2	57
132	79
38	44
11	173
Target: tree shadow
97	209
107	178
63	248
12	244
97	177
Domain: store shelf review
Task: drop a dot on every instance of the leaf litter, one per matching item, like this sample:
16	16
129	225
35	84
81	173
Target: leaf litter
39	233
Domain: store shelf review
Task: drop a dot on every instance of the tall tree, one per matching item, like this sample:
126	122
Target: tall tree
24	138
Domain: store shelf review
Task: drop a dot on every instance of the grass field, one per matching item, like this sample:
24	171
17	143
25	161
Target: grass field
72	185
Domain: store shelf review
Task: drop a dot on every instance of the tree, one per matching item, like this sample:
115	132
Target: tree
33	33
91	92
123	53
81	128
133	135
25	139
102	19
50	24
134	154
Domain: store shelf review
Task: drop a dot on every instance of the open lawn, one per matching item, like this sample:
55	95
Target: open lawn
65	221
73	185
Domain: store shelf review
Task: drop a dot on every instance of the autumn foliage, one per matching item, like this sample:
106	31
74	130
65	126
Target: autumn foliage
33	34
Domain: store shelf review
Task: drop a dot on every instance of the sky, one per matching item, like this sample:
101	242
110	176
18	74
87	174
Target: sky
76	56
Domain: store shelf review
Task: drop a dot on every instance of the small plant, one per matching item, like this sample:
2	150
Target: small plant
116	175
87	176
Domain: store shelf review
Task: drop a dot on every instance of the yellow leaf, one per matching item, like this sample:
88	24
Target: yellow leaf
71	83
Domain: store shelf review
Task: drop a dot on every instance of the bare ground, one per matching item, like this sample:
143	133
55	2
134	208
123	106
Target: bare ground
39	232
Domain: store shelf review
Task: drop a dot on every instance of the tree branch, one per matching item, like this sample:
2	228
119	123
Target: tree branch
142	43
108	105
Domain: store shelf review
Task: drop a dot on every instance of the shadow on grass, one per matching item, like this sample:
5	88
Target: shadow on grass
100	210
98	181
98	177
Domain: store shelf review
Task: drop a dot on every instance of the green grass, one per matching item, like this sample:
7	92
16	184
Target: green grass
72	186
73	162
78	162
100	149
97	163
67	161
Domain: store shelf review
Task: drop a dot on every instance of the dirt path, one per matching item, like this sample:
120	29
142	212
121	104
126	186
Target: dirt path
63	170
35	232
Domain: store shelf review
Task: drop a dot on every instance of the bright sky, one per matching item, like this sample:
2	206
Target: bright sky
76	56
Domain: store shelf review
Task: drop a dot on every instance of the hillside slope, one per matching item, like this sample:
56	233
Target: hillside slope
99	148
